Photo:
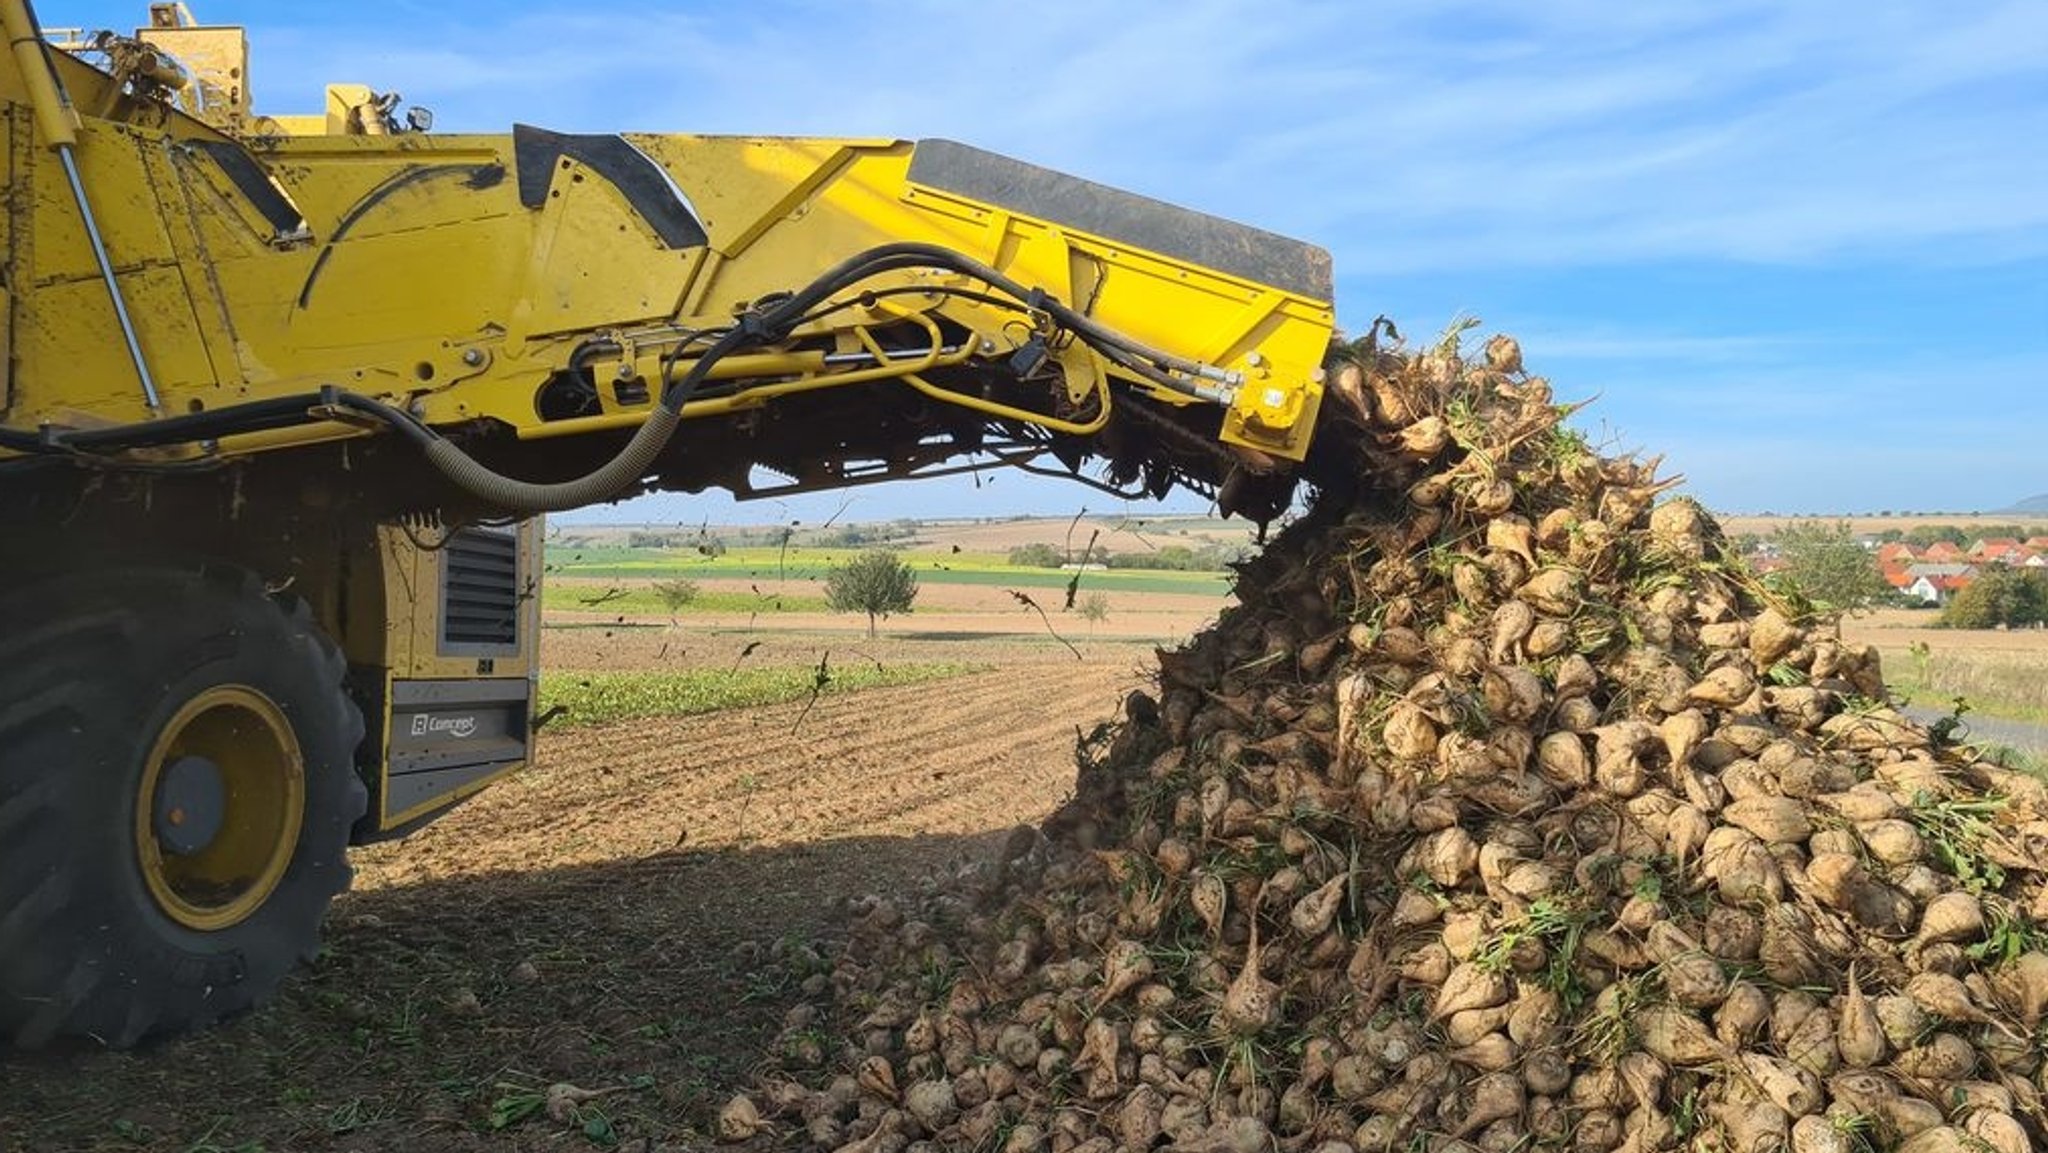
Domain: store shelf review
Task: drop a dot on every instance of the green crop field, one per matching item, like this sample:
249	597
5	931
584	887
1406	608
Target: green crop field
594	698
600	596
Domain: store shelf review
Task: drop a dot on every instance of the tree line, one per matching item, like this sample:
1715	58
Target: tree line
1169	558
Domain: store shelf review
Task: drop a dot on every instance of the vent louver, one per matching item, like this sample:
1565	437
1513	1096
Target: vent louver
480	590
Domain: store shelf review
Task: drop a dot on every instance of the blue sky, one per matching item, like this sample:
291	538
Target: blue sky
1801	249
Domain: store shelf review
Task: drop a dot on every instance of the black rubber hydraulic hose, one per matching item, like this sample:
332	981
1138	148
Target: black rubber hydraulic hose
767	325
252	416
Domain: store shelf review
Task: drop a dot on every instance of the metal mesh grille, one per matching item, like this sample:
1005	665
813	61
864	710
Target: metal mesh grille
480	594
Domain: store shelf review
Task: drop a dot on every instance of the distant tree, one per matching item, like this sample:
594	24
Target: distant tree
1094	609
676	593
1978	532
1999	596
1180	558
1173	557
1923	535
876	582
848	536
1826	564
1037	554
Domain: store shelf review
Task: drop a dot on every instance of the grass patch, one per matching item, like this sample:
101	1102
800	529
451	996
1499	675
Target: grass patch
2006	685
595	698
2018	760
641	600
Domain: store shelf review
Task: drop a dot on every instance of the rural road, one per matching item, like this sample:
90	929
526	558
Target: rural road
2023	735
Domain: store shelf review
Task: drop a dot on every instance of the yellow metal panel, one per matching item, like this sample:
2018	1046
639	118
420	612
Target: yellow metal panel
596	263
427	283
412	608
94	368
227	221
412	611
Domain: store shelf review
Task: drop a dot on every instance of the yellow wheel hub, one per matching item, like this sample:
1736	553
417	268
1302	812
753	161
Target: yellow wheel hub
218	813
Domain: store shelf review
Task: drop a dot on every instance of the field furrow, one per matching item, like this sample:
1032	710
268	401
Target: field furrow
951	756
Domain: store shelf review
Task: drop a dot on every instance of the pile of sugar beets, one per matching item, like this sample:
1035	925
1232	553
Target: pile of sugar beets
1507	810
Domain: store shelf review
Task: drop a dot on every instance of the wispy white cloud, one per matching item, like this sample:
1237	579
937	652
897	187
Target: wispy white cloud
1812	475
1613	344
1777	428
1407	135
1967	399
1471	140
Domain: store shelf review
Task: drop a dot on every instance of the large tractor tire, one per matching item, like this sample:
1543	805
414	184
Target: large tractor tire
177	784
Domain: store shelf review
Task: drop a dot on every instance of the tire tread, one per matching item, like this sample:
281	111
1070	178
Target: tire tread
70	649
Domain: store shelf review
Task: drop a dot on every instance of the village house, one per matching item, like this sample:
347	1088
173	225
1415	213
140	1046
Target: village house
1942	552
1935	583
1931	575
1998	550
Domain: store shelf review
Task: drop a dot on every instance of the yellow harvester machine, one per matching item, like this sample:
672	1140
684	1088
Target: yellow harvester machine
280	397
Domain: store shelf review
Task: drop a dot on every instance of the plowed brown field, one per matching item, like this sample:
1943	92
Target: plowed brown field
949	757
598	918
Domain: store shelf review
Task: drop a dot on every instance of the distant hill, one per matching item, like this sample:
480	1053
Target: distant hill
2033	504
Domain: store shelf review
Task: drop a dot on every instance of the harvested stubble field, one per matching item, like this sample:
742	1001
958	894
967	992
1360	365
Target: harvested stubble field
596	919
2001	673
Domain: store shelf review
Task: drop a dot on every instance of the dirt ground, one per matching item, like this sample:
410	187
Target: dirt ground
603	918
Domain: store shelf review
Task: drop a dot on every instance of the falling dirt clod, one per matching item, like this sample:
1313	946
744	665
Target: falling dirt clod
1506	810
